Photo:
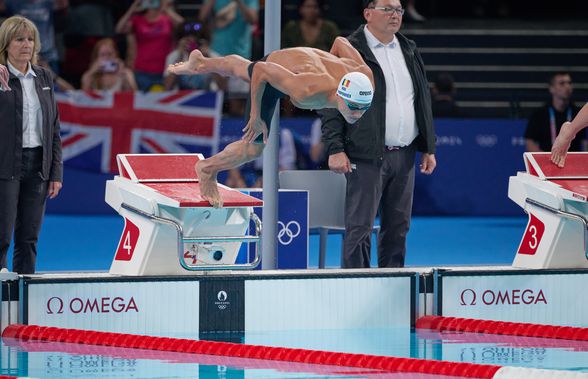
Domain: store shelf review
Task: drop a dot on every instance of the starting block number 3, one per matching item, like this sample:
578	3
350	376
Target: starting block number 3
532	237
128	241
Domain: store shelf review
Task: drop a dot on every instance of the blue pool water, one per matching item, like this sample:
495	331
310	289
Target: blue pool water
59	360
88	243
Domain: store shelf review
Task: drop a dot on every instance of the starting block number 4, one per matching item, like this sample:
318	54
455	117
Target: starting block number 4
532	237
128	241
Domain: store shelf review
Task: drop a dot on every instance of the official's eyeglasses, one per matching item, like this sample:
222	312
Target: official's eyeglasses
389	10
356	106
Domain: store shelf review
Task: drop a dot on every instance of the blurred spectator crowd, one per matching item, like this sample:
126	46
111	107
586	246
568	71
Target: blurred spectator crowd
118	45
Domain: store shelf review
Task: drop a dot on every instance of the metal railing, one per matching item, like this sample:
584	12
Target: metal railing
181	240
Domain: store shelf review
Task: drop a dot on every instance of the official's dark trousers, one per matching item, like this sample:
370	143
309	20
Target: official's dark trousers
22	205
389	188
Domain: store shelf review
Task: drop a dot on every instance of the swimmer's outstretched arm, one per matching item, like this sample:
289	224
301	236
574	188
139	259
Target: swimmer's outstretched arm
342	48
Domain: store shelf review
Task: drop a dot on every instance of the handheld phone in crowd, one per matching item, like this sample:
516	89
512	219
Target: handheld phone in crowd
150	4
109	66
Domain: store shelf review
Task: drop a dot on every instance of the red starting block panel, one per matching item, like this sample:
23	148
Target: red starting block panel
188	195
540	165
579	188
158	167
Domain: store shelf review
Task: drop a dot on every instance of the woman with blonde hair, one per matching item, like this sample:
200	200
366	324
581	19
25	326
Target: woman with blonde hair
107	71
30	147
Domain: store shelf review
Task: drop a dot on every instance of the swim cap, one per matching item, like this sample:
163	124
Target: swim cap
356	87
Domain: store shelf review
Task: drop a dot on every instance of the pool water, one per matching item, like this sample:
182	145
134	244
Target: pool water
60	360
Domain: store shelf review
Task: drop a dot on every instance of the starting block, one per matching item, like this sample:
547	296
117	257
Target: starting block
556	201
169	228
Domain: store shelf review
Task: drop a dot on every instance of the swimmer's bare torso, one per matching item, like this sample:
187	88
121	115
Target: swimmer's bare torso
318	73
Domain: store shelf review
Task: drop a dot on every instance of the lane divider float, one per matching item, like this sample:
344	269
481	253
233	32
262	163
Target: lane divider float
374	362
470	325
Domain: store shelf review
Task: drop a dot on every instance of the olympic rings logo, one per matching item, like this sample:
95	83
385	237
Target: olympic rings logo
222	300
288	232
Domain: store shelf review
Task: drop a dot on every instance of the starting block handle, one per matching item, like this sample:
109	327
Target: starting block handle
181	240
569	215
236	266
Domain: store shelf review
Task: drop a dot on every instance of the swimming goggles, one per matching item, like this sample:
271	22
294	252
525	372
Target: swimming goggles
356	106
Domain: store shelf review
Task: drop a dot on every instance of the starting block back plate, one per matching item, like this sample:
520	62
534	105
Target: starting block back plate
142	168
540	165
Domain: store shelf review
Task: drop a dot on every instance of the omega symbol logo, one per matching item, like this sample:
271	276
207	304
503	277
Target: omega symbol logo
468	297
57	307
288	232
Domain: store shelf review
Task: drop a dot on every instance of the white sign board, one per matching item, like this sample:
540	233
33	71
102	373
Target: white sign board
553	299
165	308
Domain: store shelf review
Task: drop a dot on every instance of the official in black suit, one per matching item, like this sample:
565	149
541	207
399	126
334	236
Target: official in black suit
31	168
377	153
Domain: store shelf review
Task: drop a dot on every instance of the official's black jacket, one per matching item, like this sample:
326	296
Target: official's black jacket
364	140
11	118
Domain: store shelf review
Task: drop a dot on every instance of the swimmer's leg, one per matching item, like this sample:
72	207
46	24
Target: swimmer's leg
230	65
234	155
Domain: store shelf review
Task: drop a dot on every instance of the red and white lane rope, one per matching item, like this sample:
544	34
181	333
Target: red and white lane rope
456	324
390	364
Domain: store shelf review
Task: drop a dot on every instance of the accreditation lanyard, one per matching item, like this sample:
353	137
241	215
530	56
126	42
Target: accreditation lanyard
552	122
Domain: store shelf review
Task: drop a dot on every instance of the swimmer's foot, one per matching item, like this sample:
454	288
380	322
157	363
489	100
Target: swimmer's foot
193	66
208	185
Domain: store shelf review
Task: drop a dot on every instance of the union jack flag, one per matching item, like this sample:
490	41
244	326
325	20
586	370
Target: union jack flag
95	127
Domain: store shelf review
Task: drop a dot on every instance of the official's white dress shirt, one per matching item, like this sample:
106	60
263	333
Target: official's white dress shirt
401	128
32	116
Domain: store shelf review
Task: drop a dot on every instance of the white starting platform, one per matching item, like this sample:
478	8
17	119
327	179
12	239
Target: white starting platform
169	228
556	201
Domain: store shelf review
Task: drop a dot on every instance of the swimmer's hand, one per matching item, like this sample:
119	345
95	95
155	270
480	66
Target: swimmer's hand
254	128
562	143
